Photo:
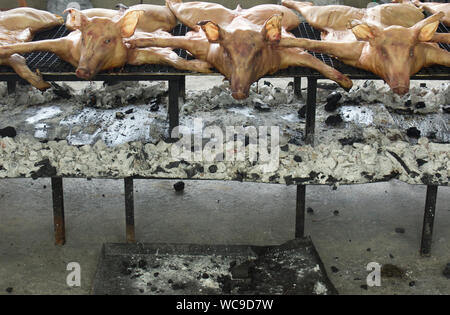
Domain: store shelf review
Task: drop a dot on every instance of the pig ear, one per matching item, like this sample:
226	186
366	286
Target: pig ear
364	31
426	28
76	19
128	22
272	28
212	30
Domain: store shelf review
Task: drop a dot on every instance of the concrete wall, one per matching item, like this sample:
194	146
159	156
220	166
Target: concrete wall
42	4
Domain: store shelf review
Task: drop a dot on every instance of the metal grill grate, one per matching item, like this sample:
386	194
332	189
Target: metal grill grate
49	63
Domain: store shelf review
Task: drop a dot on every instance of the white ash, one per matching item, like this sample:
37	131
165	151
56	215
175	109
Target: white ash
330	162
106	96
320	288
26	95
182	270
220	97
120	94
374	92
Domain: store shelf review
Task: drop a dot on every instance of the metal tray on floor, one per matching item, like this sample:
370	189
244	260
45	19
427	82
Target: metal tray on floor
291	268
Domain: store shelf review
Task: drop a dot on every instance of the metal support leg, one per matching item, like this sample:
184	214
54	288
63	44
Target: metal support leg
311	111
11	85
298	87
428	221
300	211
182	83
58	211
174	93
129	210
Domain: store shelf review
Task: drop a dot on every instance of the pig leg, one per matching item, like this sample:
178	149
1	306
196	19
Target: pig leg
299	58
62	47
348	52
17	62
435	55
441	38
140	56
196	46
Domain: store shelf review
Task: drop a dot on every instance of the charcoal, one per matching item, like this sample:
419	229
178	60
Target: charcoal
413	132
61	92
8	132
400	230
333	120
332	101
420	105
446	271
302	112
178	186
262	107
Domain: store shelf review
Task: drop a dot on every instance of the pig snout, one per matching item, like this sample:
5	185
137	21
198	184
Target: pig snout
239	95
400	90
240	87
83	73
399	86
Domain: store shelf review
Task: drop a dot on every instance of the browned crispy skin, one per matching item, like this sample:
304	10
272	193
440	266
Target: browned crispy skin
153	17
435	7
19	26
241	44
391	40
97	44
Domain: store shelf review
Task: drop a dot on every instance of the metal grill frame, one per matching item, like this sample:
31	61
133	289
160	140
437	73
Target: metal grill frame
176	78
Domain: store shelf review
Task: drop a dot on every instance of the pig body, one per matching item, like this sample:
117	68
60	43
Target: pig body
153	17
389	40
191	13
97	44
19	26
435	7
241	44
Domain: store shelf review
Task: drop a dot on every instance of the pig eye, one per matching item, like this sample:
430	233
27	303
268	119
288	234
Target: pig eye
107	41
411	52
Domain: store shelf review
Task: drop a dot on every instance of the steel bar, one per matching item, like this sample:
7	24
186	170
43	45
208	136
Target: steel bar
428	220
182	82
310	111
174	93
129	210
58	211
300	211
298	87
11	85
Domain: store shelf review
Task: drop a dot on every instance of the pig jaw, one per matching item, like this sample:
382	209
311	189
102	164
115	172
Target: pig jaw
83	73
400	90
239	95
398	80
87	70
239	91
244	76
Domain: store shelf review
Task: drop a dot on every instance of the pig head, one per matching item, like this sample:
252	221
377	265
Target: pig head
242	51
100	44
395	52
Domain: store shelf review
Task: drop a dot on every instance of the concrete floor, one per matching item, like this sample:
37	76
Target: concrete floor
211	212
